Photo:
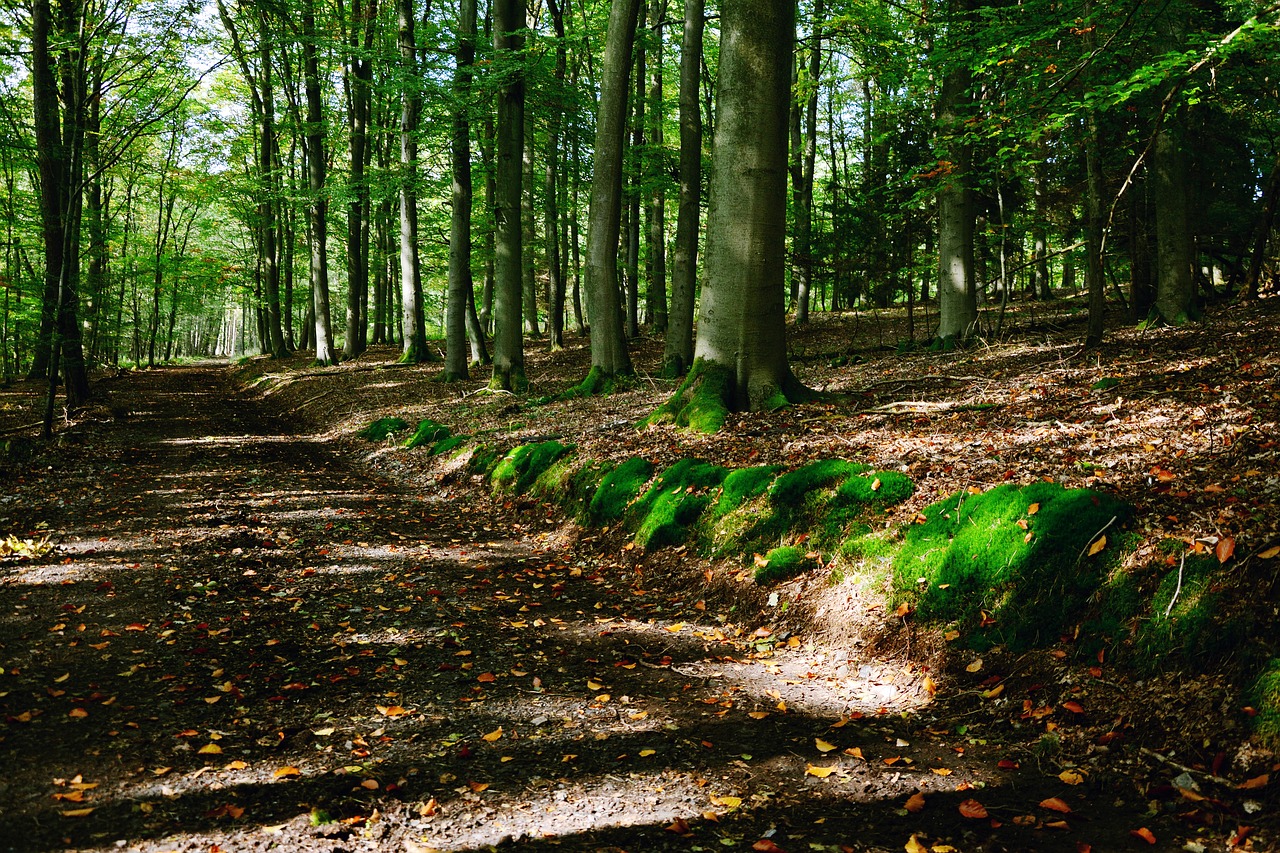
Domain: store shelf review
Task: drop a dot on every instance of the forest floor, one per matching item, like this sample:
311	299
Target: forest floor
256	631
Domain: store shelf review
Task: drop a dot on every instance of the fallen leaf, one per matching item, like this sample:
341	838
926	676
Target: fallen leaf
369	784
820	772
1224	549
493	735
913	845
1098	545
994	692
1056	804
1071	777
1143	833
1033	509
976	666
391	710
973	810
210	749
1255	783
78	713
823	746
286	772
757	715
77	812
645	753
237	765
1073	706
764	845
1270	553
727	801
914	803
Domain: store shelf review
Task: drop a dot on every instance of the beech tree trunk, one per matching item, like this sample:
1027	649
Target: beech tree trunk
460	282
508	343
318	206
957	290
414	346
609	355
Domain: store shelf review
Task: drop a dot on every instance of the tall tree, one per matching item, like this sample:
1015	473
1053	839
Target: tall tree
678	351
741	349
413	320
317	155
957	285
358	83
460	281
609	355
508	344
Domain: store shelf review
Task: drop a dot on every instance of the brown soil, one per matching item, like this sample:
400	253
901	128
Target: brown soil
257	631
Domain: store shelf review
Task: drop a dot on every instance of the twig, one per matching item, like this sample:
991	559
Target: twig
1177	590
22	428
1184	768
1094	538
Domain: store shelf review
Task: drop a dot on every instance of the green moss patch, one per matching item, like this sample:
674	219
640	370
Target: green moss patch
1012	563
618	489
700	403
1265	696
383	428
675	501
428	432
518	470
1187	620
781	563
447	444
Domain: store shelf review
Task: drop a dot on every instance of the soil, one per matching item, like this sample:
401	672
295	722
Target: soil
256	631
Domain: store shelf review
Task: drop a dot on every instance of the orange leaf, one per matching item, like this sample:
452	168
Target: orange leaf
486	678
77	812
1255	782
764	845
286	772
1056	804
973	810
135	626
1224	549
1098	545
77	712
391	711
1270	553
1073	706
914	803
1143	833
678	826
493	735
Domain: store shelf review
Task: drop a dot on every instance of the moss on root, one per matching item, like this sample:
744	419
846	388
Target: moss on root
674	503
518	470
1012	564
383	428
1265	697
782	563
618	489
701	401
428	432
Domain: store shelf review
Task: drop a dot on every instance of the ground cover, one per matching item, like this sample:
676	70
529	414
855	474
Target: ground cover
257	629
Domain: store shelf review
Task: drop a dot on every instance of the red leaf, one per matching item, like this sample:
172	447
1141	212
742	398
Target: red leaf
1073	706
973	809
1225	548
764	845
1143	833
1056	804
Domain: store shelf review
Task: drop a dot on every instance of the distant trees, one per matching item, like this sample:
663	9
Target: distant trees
949	161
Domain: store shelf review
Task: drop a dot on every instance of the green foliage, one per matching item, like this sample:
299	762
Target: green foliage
1187	621
618	489
1265	696
664	514
447	444
383	428
428	432
1019	553
524	464
781	563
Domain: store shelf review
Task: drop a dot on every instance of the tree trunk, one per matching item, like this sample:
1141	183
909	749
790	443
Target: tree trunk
741	321
609	355
414	347
460	282
268	207
804	144
318	206
552	219
359	83
656	249
678	351
957	291
508	344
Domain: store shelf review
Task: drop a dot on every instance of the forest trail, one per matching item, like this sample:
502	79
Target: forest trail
245	640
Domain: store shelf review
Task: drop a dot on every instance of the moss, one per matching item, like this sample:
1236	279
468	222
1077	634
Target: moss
524	464
383	428
570	482
790	489
782	563
701	401
1029	571
447	444
428	432
618	489
679	495
1265	696
1191	627
483	459
742	485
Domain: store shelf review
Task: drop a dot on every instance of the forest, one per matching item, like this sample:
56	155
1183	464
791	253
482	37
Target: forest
775	425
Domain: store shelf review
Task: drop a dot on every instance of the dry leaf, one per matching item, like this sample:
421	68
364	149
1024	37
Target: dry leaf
1056	804
286	772
210	749
1098	545
913	845
1033	509
757	715
973	810
1073	706
1270	553
914	803
1224	549
1143	833
237	765
1071	777
493	735
78	713
1255	783
823	746
975	666
645	753
77	812
820	772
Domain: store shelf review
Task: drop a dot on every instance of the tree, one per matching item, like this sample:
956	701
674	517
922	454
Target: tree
460	280
741	355
609	355
678	351
957	288
508	344
318	205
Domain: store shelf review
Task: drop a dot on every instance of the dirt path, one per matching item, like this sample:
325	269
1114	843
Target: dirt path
246	641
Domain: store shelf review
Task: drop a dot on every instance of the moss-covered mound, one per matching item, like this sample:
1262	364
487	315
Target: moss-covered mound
675	501
524	464
700	402
447	444
1266	704
1014	564
783	562
618	489
428	433
383	428
1188	619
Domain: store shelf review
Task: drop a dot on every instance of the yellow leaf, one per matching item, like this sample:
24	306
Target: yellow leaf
913	845
1098	545
1071	777
727	802
594	685
974	490
1270	553
941	771
286	772
820	772
645	753
875	485
237	765
1033	509
77	812
993	692
951	636
494	735
212	699
391	710
210	749
855	751
823	746
757	715
975	666
62	678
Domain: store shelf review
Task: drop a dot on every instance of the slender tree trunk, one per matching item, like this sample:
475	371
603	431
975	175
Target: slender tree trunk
957	289
268	208
528	276
460	282
1262	231
678	351
508	344
609	355
656	215
551	207
318	206
414	347
359	84
804	156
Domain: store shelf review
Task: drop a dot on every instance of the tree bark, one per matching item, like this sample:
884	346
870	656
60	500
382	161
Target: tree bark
508	344
414	347
318	206
957	290
609	355
460	281
678	351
